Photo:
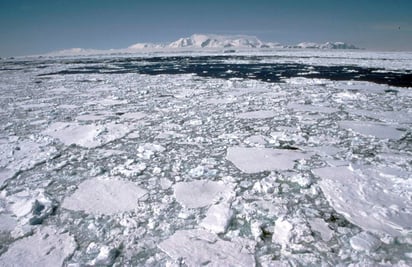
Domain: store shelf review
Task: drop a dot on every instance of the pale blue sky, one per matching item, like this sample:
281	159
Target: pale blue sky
39	26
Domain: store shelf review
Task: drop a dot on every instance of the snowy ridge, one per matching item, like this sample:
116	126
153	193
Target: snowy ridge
207	42
217	41
327	45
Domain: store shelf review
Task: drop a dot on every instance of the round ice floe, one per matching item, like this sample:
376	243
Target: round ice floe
198	194
104	196
47	247
252	160
199	248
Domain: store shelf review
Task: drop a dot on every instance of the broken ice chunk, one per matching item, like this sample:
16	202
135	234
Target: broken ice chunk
133	115
146	151
217	218
322	227
256	140
252	160
31	206
104	196
47	247
198	194
364	241
200	247
5	174
283	232
105	257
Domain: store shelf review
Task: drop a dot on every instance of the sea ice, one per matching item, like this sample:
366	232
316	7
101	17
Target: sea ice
7	223
373	203
217	218
322	227
311	108
258	114
89	135
283	232
364	241
378	130
5	174
47	247
133	115
104	196
198	193
202	248
252	160
31	206
22	155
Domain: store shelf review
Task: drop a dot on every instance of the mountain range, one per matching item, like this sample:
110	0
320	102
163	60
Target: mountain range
198	42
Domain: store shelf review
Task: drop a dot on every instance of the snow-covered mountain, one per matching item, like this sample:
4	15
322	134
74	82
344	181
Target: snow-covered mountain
138	46
217	41
327	45
205	41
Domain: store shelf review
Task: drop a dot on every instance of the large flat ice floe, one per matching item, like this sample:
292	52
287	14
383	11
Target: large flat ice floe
375	203
200	248
201	193
88	135
252	160
104	196
258	114
46	248
378	130
22	155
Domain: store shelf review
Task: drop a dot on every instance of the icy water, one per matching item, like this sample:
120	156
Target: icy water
227	160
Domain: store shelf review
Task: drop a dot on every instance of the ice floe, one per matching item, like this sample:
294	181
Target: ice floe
31	206
371	202
258	114
47	247
22	155
104	196
378	130
89	135
252	160
200	193
364	241
320	226
217	218
200	247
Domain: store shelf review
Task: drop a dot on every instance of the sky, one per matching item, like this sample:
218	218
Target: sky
30	27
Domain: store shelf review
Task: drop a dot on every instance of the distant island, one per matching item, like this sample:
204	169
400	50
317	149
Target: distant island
196	42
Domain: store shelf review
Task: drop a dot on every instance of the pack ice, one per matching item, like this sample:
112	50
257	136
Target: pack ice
248	158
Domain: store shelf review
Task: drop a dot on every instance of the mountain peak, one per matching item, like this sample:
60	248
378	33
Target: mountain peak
206	41
217	41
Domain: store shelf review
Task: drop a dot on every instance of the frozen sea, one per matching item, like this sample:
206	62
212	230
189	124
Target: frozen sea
284	158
